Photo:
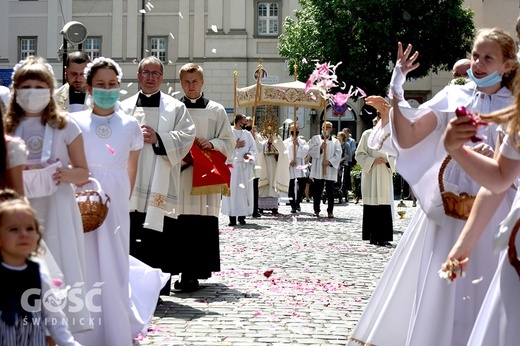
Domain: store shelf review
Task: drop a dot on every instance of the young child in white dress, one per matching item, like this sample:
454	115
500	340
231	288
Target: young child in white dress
23	320
114	142
56	160
497	322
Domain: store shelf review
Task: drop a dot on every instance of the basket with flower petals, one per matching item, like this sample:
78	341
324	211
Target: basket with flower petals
93	206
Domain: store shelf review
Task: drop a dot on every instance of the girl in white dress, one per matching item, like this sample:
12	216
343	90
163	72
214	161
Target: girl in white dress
56	159
497	322
411	305
114	143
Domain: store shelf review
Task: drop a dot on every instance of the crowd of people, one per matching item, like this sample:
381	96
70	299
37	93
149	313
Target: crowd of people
168	168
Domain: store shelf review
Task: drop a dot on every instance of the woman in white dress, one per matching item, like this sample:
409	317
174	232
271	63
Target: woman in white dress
114	143
497	322
411	305
56	159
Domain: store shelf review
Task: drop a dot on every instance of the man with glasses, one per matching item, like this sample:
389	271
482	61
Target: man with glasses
168	136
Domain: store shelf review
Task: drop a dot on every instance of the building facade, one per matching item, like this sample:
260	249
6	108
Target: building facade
223	36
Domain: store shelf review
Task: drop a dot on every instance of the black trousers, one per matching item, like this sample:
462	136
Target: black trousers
255	196
296	200
346	185
318	185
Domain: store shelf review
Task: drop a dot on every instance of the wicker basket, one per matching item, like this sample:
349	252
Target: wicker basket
93	206
511	251
455	205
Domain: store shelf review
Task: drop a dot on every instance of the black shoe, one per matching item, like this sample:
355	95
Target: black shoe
293	211
257	215
242	222
298	209
232	224
187	285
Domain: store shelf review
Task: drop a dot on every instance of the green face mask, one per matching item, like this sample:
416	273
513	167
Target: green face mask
105	98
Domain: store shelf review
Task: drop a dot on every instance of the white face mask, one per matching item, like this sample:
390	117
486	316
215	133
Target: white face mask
33	100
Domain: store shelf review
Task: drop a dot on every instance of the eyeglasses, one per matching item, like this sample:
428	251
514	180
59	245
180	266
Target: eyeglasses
147	74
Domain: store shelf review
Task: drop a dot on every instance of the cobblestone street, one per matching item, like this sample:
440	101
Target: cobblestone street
321	276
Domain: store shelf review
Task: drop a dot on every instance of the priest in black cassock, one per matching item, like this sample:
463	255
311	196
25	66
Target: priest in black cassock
196	251
169	133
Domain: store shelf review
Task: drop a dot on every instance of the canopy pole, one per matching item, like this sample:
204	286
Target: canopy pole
294	113
257	91
235	77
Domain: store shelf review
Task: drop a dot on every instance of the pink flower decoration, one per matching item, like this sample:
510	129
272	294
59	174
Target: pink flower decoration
304	60
340	99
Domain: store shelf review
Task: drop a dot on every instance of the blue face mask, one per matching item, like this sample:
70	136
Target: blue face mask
105	98
489	80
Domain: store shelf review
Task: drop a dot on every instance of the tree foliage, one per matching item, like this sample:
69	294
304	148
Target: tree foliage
363	35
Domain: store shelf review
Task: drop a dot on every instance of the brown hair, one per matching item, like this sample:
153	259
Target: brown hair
34	68
191	68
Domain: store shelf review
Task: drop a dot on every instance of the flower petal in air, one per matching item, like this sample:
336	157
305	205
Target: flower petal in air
214	28
111	149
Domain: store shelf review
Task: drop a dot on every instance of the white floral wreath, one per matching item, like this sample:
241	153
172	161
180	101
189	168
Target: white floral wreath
88	68
23	62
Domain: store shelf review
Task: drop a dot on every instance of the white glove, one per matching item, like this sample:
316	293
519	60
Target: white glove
396	83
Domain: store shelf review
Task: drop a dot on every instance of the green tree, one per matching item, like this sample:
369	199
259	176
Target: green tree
363	35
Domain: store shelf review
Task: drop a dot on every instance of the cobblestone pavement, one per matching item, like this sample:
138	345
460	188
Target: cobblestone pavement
322	276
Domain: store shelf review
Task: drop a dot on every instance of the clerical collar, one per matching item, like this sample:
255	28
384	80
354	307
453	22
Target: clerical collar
194	100
328	137
200	102
149	100
76	96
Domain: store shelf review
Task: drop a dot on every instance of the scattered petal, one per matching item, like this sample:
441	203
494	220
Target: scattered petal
180	15
214	28
111	149
123	92
476	281
173	37
242	186
304	60
170	89
268	273
57	282
129	84
134	61
214	50
150	4
143	11
148	7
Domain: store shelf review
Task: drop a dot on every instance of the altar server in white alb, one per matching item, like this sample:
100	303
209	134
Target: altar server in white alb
196	237
240	202
326	153
297	149
168	132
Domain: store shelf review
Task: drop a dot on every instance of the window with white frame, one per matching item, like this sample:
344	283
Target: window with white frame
267	18
92	46
26	47
158	47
